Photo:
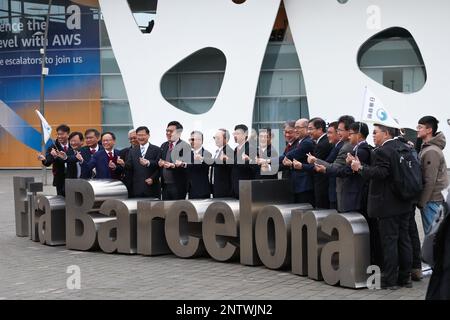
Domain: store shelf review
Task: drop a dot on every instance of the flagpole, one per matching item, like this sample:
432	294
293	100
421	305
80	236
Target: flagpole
44	72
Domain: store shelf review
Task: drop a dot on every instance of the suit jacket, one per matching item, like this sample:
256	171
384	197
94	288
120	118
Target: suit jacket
138	173
286	171
127	174
100	161
354	190
182	152
332	169
72	165
301	180
242	170
382	201
332	179
86	154
221	174
198	176
273	172
58	165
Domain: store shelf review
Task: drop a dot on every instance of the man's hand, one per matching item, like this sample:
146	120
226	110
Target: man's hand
224	158
112	165
287	162
149	181
40	157
356	165
54	153
120	162
349	158
62	155
79	157
297	164
198	157
179	163
144	162
245	157
161	163
168	165
311	158
320	168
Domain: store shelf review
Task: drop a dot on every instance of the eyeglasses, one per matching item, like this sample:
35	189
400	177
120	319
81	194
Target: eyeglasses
301	127
351	133
340	130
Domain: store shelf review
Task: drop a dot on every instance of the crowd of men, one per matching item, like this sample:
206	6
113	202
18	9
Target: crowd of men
328	165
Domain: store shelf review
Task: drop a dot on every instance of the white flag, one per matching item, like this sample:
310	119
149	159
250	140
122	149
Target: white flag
374	111
46	129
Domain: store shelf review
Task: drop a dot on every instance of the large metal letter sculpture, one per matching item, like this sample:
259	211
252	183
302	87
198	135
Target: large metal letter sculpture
274	244
151	239
221	230
83	198
21	204
307	242
345	260
119	234
49	220
253	196
184	227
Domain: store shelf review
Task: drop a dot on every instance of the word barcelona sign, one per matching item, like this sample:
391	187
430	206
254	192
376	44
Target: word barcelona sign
263	227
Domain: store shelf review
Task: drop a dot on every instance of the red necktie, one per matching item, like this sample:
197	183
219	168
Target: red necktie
170	146
92	151
65	148
110	156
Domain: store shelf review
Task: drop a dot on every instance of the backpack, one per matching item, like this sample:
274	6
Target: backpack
406	172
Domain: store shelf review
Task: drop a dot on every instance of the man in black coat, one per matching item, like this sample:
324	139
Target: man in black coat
221	166
391	211
92	138
74	169
51	158
322	148
198	168
142	166
243	153
175	153
266	169
127	175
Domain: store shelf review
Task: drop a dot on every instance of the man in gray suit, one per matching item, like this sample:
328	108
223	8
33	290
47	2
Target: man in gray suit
142	165
331	169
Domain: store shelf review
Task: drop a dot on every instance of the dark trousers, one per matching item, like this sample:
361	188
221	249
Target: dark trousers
333	205
60	189
304	197
415	242
321	199
397	251
170	191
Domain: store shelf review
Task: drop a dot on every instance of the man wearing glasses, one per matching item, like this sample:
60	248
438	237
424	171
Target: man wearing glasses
198	168
222	162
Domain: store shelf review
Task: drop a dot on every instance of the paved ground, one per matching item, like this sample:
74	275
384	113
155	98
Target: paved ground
29	270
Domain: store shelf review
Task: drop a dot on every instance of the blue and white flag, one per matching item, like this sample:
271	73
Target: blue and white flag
46	128
374	111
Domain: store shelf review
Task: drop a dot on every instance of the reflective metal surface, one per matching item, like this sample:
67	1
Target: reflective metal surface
49	220
82	197
273	235
183	227
307	241
221	230
151	238
253	196
119	234
33	189
345	260
21	205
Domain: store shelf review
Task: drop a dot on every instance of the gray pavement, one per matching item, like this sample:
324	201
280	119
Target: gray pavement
29	270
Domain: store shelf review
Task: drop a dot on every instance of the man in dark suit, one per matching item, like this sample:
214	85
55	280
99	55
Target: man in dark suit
333	138
291	137
175	153
301	180
92	137
242	169
142	166
198	168
221	166
127	175
51	158
73	165
322	148
344	123
391	211
266	169
104	161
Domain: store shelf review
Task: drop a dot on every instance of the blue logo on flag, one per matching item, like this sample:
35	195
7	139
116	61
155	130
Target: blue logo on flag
381	114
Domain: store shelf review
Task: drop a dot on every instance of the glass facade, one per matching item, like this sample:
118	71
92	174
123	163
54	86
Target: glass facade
92	93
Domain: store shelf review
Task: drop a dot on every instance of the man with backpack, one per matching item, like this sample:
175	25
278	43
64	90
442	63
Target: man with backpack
389	204
434	170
